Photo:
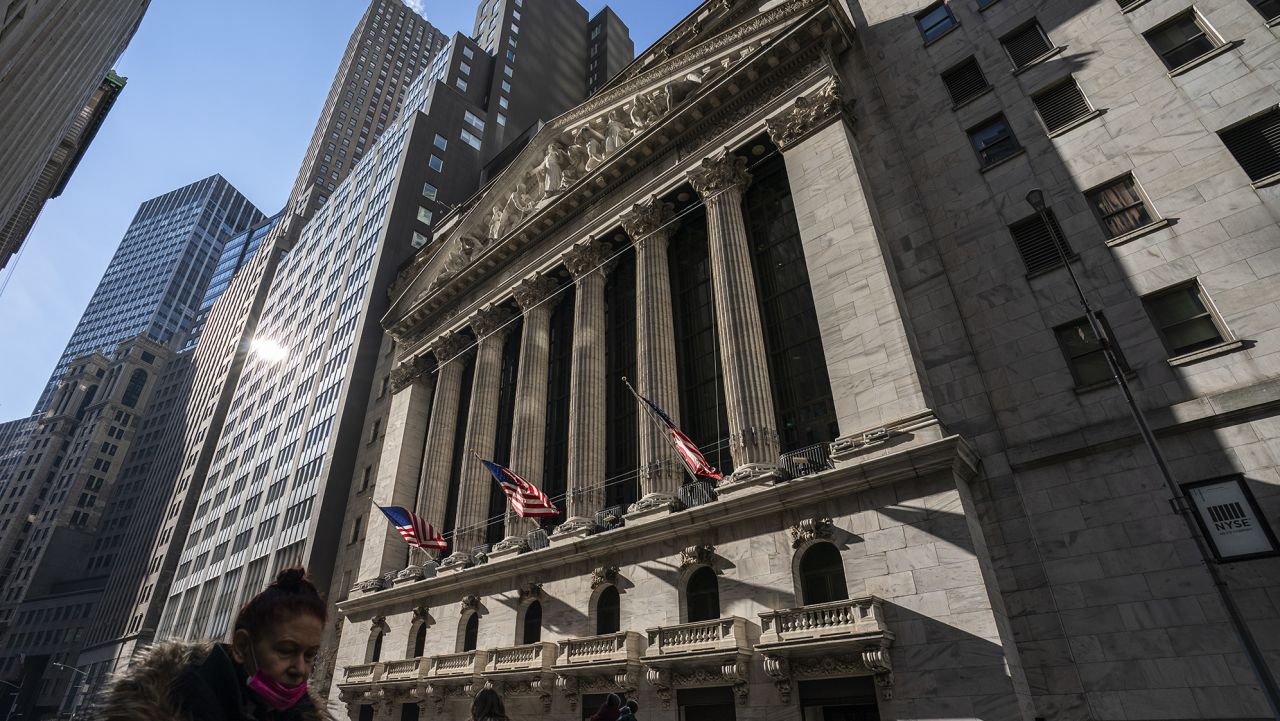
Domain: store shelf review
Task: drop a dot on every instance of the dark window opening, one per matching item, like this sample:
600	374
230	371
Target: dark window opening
1255	144
822	575
532	631
459	443
935	21
495	531
556	446
803	405
1038	243
993	141
469	634
1084	353
1181	40
375	654
702	596
622	435
133	391
1183	319
420	640
608	611
965	81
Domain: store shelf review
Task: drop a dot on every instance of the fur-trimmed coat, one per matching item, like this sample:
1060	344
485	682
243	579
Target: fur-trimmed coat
185	681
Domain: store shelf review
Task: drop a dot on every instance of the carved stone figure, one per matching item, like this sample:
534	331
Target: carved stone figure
616	133
553	167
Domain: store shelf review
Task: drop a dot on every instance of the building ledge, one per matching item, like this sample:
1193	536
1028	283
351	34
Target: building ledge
1212	351
917	455
1197	62
1136	233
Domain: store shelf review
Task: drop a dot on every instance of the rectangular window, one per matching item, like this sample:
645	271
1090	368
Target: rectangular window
471	140
1181	39
467	52
1255	144
1026	44
506	70
419	240
435	163
1270	9
1084	353
1120	207
424	215
1062	104
440	141
506	86
502	102
1039	244
993	140
965	81
502	120
464	68
935	21
461	84
473	120
1183	319
429	191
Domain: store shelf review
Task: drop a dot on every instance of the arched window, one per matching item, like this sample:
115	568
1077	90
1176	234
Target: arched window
84	402
702	595
375	647
420	640
472	630
608	611
822	575
532	623
134	390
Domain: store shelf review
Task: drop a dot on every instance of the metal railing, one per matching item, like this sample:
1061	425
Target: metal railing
697	493
611	518
537	539
807	461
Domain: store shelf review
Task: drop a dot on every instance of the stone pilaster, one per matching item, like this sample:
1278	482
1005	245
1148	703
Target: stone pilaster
400	463
587	386
490	325
433	489
753	435
880	398
649	226
529	427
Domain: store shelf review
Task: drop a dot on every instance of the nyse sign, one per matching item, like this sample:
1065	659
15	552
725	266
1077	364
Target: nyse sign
1230	518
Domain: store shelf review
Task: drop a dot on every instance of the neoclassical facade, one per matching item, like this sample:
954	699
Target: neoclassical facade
741	228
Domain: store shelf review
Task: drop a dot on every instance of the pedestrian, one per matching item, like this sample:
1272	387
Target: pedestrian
487	706
608	710
261	675
628	710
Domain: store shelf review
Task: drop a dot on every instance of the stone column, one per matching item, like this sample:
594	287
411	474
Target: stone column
490	327
753	436
661	472
433	488
400	463
586	388
529	426
875	376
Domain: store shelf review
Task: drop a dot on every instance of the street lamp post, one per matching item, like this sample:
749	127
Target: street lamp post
84	684
1035	198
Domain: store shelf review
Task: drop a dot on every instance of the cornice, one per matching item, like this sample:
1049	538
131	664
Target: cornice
950	454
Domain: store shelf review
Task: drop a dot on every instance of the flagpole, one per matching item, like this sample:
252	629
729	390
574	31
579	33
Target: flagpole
662	430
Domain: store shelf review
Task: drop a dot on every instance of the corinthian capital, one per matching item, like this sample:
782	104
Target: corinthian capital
720	173
447	346
585	256
806	114
533	290
490	319
407	372
646	219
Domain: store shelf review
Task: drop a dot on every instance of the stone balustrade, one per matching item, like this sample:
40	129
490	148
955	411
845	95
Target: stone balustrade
464	664
607	648
365	673
529	657
406	669
852	617
720	634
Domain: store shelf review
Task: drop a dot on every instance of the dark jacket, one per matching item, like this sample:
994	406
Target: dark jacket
183	681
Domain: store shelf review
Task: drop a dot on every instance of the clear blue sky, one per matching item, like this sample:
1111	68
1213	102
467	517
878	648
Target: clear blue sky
231	87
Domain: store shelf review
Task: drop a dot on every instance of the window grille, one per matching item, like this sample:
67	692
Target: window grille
965	81
1036	240
1061	105
1256	145
1026	44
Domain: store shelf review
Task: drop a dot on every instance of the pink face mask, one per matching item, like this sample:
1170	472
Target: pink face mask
277	695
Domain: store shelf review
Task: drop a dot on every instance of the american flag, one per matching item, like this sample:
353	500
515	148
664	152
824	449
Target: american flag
685	446
526	499
414	530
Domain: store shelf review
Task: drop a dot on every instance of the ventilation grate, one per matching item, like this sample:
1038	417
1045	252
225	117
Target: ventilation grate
1061	105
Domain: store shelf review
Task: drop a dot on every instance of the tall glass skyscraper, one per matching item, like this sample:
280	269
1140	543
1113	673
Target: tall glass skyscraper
157	279
236	252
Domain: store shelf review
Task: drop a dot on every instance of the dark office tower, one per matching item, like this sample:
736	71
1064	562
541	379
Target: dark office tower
387	51
609	48
236	252
54	55
58	169
155	281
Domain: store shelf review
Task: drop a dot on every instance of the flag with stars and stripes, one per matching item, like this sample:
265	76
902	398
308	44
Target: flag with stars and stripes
526	499
414	530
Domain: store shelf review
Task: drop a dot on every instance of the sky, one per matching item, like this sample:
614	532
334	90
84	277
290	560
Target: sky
231	87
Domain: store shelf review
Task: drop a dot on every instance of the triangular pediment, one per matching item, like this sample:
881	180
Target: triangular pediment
576	151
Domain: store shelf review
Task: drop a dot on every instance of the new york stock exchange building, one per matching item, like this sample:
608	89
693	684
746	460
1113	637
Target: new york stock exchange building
798	228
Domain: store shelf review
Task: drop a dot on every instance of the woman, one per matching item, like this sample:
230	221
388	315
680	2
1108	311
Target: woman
487	706
260	676
609	710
